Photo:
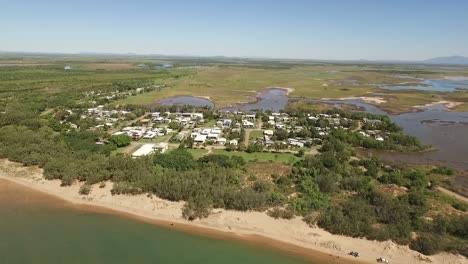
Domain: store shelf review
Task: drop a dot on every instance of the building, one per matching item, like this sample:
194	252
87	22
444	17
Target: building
162	147
150	135
221	141
250	117
268	133
247	124
234	142
200	139
68	68
144	150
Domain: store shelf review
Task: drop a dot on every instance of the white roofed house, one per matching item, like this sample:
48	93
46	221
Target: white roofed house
221	141
214	136
268	133
200	139
248	124
234	142
250	117
150	135
206	131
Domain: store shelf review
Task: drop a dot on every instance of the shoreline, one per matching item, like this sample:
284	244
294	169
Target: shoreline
293	237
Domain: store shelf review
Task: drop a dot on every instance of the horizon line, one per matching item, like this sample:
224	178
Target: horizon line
132	54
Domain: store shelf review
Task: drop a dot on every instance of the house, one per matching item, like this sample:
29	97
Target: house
379	139
227	123
180	137
221	141
268	133
200	139
67	68
280	126
297	144
158	119
206	131
150	135
234	142
144	150
250	117
215	131
161	147
213	136
247	124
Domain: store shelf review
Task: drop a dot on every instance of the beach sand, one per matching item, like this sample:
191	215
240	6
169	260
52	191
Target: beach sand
290	236
448	104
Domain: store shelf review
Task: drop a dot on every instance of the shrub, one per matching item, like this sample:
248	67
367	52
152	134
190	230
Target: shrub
443	171
196	208
85	189
281	213
427	244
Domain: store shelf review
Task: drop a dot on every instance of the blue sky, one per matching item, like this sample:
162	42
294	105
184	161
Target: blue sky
307	29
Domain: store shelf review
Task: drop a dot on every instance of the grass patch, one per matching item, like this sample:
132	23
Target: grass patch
197	153
254	134
287	158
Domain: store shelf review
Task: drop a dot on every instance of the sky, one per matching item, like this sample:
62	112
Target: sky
301	29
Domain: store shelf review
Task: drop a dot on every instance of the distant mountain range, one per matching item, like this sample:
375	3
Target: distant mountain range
451	60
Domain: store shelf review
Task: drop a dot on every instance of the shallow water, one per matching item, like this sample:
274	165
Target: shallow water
435	85
36	228
186	100
445	130
273	99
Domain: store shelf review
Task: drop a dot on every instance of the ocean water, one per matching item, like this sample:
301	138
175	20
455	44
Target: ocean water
35	228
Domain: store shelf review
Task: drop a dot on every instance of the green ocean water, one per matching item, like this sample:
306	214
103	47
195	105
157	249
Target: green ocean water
37	229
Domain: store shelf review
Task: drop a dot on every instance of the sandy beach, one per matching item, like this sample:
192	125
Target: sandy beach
291	236
367	99
448	104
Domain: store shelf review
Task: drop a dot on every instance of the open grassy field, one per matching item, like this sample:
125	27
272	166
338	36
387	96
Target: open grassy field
197	153
228	85
224	81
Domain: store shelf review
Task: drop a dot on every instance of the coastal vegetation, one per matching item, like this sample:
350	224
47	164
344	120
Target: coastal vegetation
45	121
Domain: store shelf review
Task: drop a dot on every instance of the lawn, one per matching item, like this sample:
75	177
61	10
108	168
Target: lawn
164	138
254	134
261	156
197	153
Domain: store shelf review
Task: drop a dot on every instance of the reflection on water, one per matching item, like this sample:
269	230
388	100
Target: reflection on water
186	100
435	85
445	130
273	99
